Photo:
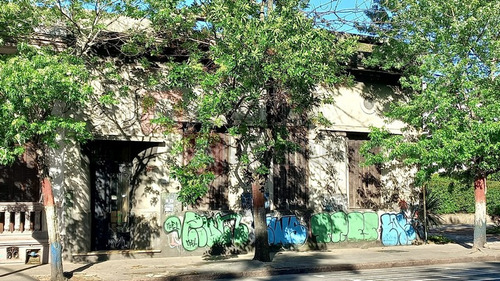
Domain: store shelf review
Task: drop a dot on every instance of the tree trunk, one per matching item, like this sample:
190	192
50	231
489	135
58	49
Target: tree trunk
56	268
260	225
480	214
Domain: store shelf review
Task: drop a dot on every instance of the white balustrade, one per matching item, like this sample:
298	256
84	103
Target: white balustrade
20	217
22	231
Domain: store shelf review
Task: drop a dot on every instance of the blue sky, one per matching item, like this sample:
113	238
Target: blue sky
341	14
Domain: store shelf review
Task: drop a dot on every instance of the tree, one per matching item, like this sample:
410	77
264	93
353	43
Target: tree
447	53
16	19
232	60
252	72
44	89
39	89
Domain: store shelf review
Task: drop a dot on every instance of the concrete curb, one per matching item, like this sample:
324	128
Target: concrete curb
270	271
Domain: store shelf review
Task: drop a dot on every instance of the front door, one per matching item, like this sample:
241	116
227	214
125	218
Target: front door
111	206
111	171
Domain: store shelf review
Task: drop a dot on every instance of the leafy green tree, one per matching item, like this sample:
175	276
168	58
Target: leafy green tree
42	90
247	68
447	53
39	90
16	19
252	71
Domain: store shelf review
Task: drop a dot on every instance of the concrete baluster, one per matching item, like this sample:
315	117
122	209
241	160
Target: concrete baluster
17	221
27	221
5	222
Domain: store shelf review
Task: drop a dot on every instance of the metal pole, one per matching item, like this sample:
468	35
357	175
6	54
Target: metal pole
425	215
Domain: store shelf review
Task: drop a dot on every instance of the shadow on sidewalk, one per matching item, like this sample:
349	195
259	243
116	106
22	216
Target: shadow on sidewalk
228	268
462	235
18	272
69	274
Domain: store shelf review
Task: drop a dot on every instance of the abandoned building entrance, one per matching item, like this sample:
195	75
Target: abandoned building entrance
112	173
364	181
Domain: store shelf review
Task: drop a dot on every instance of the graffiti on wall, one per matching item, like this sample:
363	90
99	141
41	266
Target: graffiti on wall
195	230
286	230
396	230
334	203
341	226
168	202
199	230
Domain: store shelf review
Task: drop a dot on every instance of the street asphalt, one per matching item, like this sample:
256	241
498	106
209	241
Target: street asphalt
283	262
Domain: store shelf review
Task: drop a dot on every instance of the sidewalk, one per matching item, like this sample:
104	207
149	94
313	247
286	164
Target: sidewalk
286	262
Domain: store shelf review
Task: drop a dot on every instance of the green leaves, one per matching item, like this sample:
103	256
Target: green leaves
254	73
448	56
194	175
40	92
17	20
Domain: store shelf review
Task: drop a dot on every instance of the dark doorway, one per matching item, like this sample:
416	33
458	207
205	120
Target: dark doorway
112	171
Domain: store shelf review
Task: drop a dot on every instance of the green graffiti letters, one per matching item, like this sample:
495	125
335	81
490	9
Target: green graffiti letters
198	230
339	227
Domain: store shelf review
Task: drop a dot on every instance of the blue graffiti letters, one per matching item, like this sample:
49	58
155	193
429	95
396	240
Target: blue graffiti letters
285	230
396	230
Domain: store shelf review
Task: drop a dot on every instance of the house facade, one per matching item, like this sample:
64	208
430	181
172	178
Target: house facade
115	194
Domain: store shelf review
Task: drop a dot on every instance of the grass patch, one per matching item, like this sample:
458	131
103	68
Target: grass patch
439	239
493	230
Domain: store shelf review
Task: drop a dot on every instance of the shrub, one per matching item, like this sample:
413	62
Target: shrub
457	197
439	239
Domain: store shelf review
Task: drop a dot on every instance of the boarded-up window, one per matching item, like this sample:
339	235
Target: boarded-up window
364	181
218	191
216	198
19	182
290	177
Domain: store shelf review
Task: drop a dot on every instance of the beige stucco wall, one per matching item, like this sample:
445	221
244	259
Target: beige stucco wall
69	170
149	197
154	196
398	184
121	120
328	163
328	171
350	112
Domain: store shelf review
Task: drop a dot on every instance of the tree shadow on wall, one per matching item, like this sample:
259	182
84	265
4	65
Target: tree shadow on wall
146	229
223	249
125	104
77	216
381	90
369	192
291	176
331	153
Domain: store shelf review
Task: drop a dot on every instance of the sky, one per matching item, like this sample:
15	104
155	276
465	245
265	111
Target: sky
341	15
338	15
